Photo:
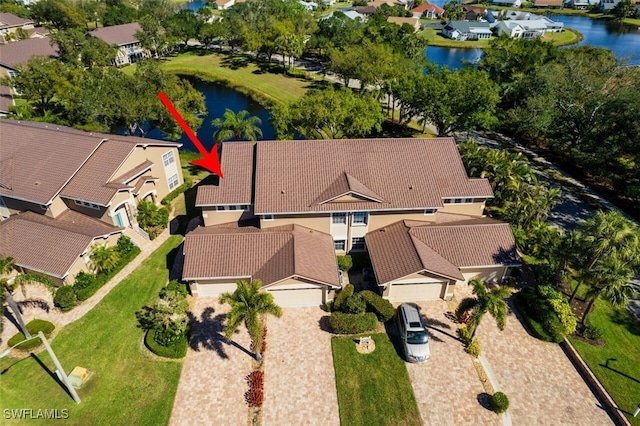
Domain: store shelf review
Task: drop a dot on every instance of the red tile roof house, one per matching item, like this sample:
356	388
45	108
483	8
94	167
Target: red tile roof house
123	36
344	192
60	173
429	11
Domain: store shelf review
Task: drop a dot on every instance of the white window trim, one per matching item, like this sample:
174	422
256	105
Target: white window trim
341	215
267	217
344	244
86	204
233	208
458	200
430	212
364	244
171	157
177	181
366	219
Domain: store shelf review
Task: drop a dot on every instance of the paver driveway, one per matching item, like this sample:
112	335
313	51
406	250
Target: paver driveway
212	384
447	386
300	386
542	385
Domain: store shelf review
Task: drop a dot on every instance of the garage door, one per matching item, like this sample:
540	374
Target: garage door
208	290
298	297
416	291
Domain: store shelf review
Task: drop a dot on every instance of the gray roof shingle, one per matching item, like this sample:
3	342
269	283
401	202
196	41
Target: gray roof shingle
18	52
118	34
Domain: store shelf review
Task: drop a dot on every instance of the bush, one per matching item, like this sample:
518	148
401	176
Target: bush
342	296
152	219
178	349
65	298
342	323
125	246
499	402
355	304
294	72
345	263
383	309
34	327
592	332
547	307
179	190
84	280
473	348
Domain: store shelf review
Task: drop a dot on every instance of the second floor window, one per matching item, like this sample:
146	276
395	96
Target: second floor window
339	218
360	218
167	158
173	182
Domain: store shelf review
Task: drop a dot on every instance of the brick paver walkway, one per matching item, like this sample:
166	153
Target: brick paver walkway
300	384
212	384
447	386
38	301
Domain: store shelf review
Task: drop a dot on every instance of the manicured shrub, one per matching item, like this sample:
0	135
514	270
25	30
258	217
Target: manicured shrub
177	349
545	307
84	280
179	190
65	298
355	304
151	218
343	295
473	348
499	402
125	246
383	309
345	262
592	332
342	323
34	327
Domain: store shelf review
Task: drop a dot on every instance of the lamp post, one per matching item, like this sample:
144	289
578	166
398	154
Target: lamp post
16	312
635	413
61	373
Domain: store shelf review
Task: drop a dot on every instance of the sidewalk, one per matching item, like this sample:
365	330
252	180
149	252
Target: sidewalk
38	300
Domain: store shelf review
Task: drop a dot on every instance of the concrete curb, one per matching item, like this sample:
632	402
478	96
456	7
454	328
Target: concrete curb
506	416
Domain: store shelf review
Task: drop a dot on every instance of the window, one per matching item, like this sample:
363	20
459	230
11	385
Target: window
339	245
2	204
357	243
429	211
86	204
244	207
468	200
339	218
448	200
220	208
268	217
457	200
12	74
232	208
167	158
173	182
360	218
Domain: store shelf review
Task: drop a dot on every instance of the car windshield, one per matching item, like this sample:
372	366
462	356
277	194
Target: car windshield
417	337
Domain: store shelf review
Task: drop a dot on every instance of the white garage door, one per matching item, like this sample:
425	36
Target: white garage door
298	297
208	290
416	292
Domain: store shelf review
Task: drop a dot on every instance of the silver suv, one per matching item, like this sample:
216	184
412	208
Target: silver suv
414	335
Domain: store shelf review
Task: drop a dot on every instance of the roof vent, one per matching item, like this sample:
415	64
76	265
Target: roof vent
282	191
36	183
410	187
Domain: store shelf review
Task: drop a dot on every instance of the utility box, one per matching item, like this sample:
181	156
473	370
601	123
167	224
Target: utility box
79	376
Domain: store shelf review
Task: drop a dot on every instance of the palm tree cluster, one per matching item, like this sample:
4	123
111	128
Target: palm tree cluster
485	301
237	126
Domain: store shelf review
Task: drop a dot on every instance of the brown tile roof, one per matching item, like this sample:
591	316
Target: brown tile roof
48	245
118	34
8	20
414	22
236	188
6	99
424	7
408	247
37	159
291	176
271	254
21	51
136	171
141	181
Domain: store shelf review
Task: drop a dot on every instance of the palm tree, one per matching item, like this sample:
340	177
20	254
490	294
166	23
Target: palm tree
485	301
605	235
237	126
103	259
248	305
611	283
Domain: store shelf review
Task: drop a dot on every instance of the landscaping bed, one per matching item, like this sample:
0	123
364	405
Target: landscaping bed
373	389
33	327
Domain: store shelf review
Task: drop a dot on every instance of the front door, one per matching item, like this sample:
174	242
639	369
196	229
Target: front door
120	218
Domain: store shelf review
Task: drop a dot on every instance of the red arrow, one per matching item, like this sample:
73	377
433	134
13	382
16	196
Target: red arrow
210	160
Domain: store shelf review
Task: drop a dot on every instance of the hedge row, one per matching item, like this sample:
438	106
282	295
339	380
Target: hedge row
383	309
342	323
537	306
177	350
88	284
343	295
33	327
179	190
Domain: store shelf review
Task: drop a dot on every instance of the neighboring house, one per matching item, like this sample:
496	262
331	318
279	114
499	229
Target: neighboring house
529	22
297	265
124	36
513	29
467	30
429	11
414	22
18	52
9	24
338	193
507	3
223	4
351	14
329	2
580	4
390	3
57	247
474	13
365	10
6	100
555	4
416	260
49	169
309	5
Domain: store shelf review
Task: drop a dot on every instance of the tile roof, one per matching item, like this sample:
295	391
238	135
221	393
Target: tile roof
47	245
424	7
37	159
8	20
118	34
18	52
237	161
408	247
402	20
291	176
270	254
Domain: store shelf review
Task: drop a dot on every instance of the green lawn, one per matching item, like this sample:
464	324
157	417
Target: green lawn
435	38
622	348
128	386
373	389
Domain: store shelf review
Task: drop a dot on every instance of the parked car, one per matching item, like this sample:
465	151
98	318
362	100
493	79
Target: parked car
414	335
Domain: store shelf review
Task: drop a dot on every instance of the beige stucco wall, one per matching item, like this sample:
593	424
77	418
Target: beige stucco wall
320	223
100	214
490	274
472	209
213	217
417	277
291	283
379	220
